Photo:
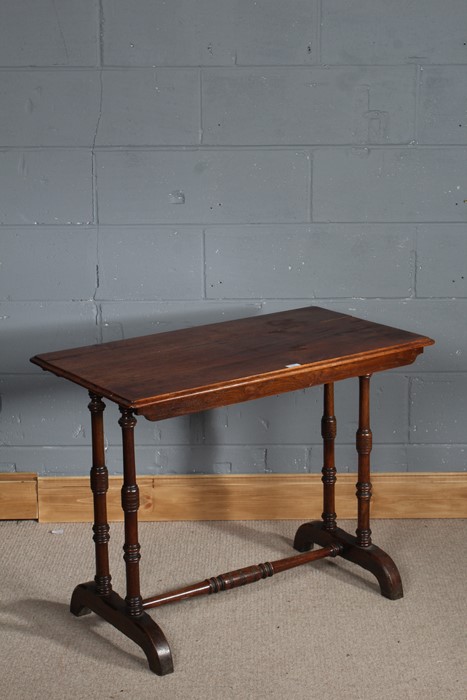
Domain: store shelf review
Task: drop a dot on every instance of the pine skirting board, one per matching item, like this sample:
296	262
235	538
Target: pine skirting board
239	497
18	496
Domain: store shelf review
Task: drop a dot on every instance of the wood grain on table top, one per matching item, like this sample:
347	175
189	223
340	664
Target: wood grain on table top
212	365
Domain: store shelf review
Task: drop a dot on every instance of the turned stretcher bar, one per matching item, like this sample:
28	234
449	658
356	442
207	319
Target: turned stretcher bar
241	577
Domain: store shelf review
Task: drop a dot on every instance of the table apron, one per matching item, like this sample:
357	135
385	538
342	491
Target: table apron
217	397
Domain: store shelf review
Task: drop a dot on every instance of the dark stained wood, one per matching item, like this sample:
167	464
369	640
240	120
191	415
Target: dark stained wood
371	558
142	629
241	577
364	445
179	372
99	486
328	433
130	506
185	371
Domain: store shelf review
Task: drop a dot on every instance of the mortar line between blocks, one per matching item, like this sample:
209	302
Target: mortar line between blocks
93	190
415	280
211	67
310	187
101	32
418	80
201	128
203	239
318	31
240	147
100	330
409	411
229	224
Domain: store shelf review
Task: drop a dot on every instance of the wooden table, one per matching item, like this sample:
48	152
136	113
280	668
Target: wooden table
171	374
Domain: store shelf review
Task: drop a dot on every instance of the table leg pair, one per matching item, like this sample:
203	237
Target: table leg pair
126	615
130	616
359	549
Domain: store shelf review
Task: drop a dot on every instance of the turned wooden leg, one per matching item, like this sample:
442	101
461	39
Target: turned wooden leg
126	615
328	432
303	541
130	505
364	444
99	487
360	550
142	629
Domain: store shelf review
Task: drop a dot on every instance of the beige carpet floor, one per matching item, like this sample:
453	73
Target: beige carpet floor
318	632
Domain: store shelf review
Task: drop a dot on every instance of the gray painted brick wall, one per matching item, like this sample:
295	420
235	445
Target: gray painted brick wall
168	164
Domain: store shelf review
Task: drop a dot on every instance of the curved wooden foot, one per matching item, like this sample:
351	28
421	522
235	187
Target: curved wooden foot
371	558
142	629
76	606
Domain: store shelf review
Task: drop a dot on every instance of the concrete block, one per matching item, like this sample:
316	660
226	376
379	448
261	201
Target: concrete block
48	108
440	319
34	263
202	187
183	430
442	260
150	263
358	104
210	459
183	459
6	467
296	261
295	418
33	328
365	184
49	460
42	410
389	458
74	460
275	33
381	32
289	459
438	409
128	319
45	187
48	33
389	409
149	107
443	104
210	32
297	459
144	455
437	458
289	419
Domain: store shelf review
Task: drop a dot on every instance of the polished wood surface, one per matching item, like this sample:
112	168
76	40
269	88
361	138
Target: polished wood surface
130	507
241	577
141	629
328	433
189	370
370	557
99	480
364	441
175	373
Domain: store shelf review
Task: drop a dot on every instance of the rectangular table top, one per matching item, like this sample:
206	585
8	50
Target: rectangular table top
184	371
